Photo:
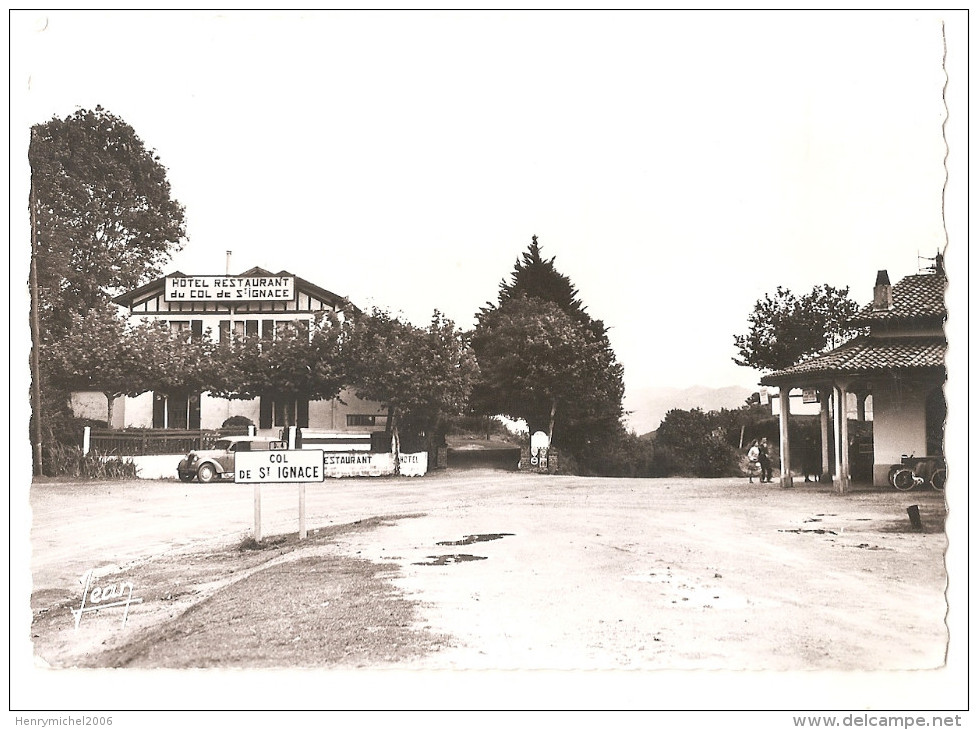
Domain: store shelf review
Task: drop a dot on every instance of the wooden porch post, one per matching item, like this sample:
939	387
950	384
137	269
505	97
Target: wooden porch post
842	440
784	398
823	397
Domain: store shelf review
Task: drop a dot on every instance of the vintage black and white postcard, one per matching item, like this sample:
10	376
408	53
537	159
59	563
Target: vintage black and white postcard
489	360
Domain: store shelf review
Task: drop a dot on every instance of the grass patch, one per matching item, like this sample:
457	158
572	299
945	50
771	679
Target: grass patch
250	543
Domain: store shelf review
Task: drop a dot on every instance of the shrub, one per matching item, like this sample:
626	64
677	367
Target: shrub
692	443
62	460
621	454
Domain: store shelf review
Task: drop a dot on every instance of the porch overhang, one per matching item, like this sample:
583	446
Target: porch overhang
858	366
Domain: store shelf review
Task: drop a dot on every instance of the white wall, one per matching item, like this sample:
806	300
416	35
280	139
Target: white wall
159	466
139	411
899	427
215	411
94	405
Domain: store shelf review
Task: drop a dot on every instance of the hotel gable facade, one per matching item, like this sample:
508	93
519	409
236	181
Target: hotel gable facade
254	303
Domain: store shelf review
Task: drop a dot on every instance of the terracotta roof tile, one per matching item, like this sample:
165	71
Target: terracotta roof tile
866	354
920	296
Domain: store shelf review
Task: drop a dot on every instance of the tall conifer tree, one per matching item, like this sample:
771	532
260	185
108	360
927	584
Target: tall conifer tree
581	410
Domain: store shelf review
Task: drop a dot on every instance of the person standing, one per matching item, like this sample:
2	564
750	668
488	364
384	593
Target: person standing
764	459
753	453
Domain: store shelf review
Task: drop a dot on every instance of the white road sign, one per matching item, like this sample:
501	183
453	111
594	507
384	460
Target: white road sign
278	467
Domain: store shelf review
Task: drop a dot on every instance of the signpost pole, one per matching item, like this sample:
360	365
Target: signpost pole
258	513
279	466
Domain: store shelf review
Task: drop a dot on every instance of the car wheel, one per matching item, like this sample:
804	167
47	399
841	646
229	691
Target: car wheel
206	473
186	477
938	478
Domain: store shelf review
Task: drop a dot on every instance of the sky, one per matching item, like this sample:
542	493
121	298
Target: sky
679	166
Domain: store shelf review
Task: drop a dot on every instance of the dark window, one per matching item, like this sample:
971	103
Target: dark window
239	327
180	411
282	412
359	420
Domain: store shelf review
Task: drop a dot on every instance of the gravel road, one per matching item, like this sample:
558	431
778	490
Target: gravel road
553	572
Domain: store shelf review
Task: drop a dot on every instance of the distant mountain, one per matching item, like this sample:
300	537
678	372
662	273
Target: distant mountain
649	405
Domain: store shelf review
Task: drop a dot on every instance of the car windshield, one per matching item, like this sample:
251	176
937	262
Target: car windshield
224	445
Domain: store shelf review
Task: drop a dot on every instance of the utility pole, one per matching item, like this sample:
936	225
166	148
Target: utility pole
35	335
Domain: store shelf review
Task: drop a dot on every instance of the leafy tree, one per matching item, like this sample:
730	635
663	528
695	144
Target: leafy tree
298	363
104	218
445	368
785	328
693	443
104	352
180	363
421	375
585	399
617	453
540	365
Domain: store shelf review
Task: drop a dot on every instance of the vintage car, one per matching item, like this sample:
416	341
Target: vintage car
218	463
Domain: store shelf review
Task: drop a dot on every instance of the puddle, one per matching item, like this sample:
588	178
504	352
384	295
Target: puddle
446	559
469	539
818	531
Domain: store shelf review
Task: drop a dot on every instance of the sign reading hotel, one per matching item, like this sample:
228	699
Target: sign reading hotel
279	467
229	288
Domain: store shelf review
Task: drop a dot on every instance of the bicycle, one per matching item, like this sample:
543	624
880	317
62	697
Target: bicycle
913	471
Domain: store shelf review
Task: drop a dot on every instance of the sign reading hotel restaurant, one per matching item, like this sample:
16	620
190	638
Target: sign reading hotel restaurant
228	288
278	467
367	464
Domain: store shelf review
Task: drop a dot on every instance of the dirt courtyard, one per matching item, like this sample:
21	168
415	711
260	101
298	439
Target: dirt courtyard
492	570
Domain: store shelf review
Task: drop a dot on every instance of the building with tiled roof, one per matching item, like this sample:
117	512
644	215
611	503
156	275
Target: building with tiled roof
915	299
899	363
254	303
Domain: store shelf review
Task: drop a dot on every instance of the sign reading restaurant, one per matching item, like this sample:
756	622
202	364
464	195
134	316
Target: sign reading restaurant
229	288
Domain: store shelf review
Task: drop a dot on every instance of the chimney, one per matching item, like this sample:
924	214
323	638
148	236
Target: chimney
882	292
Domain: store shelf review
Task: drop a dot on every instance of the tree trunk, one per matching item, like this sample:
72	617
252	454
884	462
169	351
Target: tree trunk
395	441
553	413
110	407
